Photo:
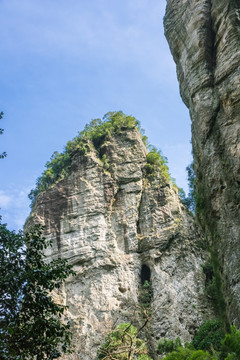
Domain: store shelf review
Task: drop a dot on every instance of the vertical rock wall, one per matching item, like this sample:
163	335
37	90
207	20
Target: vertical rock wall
204	38
110	224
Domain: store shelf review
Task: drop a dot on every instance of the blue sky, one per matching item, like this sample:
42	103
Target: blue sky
64	63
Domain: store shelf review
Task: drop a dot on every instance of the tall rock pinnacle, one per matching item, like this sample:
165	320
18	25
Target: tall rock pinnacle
119	220
204	38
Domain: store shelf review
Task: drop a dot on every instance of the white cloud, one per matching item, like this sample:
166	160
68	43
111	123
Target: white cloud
5	199
14	207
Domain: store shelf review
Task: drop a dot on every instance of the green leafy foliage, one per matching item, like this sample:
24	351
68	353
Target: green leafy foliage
183	353
210	283
31	325
56	169
2	155
211	290
220	303
232	357
231	345
157	162
98	131
209	336
145	295
166	346
209	343
94	135
208	270
213	286
123	344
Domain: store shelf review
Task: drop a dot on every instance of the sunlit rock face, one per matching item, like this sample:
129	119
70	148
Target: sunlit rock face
119	228
204	38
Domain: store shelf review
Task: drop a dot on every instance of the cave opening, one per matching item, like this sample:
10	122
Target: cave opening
146	291
145	274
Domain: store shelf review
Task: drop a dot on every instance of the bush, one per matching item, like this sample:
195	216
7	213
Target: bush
209	343
155	162
208	270
230	348
209	335
123	344
187	354
146	294
167	346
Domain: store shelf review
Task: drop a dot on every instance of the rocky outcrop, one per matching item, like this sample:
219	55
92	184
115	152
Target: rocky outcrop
119	228
204	38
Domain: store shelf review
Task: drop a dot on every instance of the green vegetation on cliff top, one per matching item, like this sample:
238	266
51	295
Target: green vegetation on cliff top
92	138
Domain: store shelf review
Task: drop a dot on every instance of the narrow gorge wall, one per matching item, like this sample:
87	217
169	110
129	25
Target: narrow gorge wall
112	225
204	38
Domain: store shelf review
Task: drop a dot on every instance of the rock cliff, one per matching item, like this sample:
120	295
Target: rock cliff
119	228
204	38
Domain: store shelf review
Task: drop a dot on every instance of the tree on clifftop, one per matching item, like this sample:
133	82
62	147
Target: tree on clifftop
31	325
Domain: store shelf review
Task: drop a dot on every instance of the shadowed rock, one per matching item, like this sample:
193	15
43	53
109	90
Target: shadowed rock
204	38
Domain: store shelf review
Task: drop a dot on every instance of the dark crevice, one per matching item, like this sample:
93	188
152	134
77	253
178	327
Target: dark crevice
139	215
138	227
58	239
126	245
145	274
212	121
213	50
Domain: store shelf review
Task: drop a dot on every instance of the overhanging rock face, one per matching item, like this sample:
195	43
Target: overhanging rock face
118	229
204	38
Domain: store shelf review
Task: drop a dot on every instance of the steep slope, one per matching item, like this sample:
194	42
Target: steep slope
204	38
119	228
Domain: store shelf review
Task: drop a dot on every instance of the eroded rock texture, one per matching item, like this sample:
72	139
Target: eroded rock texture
204	38
110	224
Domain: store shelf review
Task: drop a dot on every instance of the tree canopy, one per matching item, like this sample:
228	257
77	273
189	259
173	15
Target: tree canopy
209	343
31	323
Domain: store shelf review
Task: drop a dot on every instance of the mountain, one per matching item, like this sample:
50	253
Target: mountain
118	219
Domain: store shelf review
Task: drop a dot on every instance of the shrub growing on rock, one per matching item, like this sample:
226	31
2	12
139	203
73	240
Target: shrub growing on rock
123	344
209	335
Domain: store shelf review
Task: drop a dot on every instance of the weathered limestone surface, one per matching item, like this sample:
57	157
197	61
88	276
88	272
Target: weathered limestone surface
204	38
108	224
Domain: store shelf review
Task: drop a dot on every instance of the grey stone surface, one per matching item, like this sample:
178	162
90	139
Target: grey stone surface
108	224
204	38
